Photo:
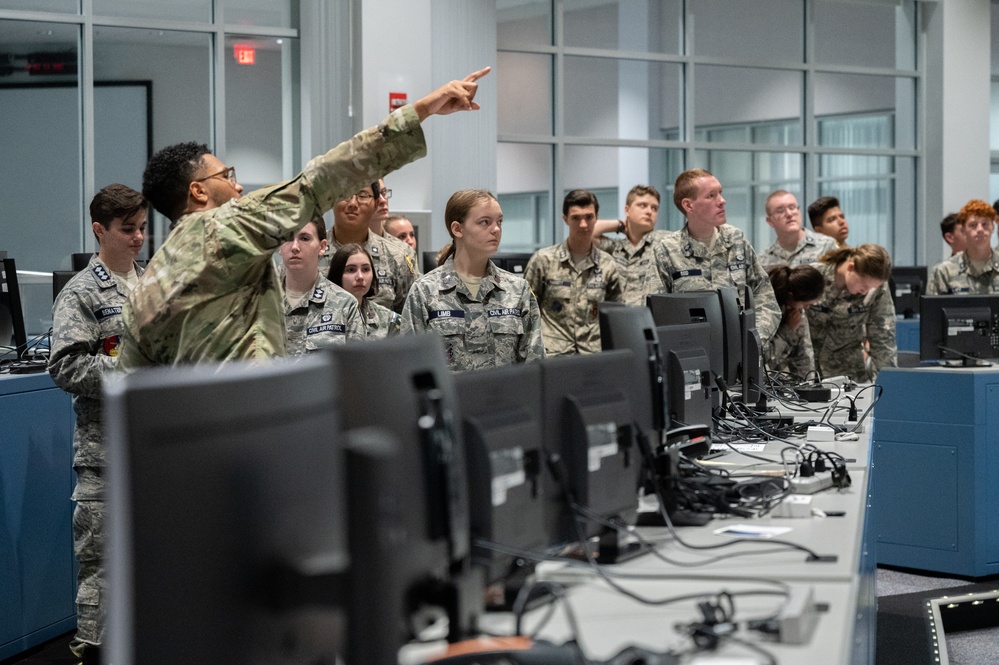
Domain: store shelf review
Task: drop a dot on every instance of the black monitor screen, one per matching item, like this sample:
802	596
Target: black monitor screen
429	261
588	424
705	307
958	327
216	475
908	284
623	327
13	339
500	410
514	262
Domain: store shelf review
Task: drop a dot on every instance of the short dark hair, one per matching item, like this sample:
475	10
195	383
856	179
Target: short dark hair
948	223
820	207
580	198
114	201
169	173
339	262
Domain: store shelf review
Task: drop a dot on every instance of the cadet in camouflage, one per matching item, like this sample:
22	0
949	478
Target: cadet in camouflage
571	279
707	253
394	264
211	293
975	270
633	253
795	245
86	334
487	317
790	349
855	310
352	269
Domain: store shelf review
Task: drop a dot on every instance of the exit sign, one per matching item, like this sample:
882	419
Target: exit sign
245	55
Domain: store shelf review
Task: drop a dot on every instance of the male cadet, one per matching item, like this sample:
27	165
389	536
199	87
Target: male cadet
954	233
86	329
974	271
633	253
212	293
795	245
393	261
707	253
571	279
402	229
381	211
826	217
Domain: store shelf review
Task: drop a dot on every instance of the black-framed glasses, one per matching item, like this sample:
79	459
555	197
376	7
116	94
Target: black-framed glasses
229	173
362	196
386	193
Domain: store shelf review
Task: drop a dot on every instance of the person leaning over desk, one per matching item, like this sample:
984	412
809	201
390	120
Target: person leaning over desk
352	269
855	310
211	293
486	316
790	349
974	271
318	314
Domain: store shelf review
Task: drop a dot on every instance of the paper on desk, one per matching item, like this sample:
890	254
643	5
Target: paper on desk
751	531
741	447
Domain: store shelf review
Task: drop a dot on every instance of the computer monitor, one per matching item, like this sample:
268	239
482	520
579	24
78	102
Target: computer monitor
60	278
632	328
704	307
80	260
750	371
500	413
403	386
229	531
909	283
589	437
686	373
515	262
959	327
428	261
13	339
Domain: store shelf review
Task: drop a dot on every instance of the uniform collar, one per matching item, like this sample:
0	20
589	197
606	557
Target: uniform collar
991	266
448	279
565	256
690	246
102	274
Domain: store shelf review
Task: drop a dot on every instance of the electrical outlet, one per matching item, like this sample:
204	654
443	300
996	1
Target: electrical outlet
812	484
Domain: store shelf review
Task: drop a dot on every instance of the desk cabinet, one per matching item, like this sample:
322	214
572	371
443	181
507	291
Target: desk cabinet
936	470
37	577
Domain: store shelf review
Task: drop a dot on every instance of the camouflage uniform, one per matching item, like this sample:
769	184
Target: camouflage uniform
500	325
958	276
380	321
568	296
838	323
86	329
328	317
395	264
211	292
790	350
637	265
686	264
812	247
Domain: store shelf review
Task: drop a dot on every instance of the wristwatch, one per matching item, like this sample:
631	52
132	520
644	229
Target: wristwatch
620	226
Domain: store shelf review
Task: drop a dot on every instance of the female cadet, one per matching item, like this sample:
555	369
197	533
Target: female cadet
486	316
790	349
855	310
317	313
352	268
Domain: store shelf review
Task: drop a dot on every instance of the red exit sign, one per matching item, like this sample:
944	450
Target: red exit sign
245	55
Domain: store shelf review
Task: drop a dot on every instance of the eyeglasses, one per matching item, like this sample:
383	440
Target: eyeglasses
385	193
228	173
362	196
779	212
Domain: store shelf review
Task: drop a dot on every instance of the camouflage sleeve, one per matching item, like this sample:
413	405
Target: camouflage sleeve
414	261
767	310
535	278
532	347
615	283
937	283
881	331
356	328
801	361
664	265
412	319
74	363
405	278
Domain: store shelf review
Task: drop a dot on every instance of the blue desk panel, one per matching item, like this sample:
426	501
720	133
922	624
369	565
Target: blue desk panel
936	470
907	334
37	578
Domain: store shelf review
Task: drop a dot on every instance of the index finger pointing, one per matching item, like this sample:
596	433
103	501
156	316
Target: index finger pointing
475	76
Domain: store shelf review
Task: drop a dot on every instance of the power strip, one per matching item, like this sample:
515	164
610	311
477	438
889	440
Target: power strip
812	484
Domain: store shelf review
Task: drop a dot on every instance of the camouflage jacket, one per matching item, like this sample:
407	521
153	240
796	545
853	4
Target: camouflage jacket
841	323
956	275
211	293
86	330
395	264
329	316
686	264
500	325
637	265
810	249
790	350
569	296
379	320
